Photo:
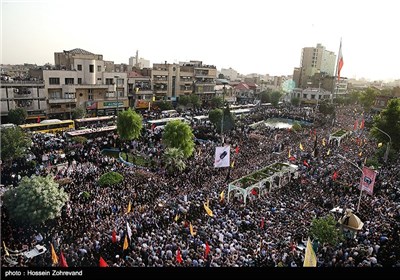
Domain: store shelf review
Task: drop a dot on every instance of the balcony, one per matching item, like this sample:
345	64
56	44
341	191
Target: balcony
62	100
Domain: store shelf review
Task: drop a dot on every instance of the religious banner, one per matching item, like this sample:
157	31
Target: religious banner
368	180
222	156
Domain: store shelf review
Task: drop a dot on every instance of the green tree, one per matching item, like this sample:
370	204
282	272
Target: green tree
163	105
295	101
110	179
195	100
215	117
354	97
174	160
265	97
229	119
14	143
35	200
326	108
275	97
184	100
217	102
129	124
178	134
325	231
79	113
388	121
367	98
17	116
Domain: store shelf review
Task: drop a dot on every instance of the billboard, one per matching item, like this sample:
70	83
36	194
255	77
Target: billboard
368	180
222	156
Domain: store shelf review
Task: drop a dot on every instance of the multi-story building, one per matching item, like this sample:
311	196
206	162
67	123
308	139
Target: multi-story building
311	95
29	95
315	60
229	74
172	80
140	91
81	78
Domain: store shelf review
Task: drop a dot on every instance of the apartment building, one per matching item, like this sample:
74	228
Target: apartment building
172	80
29	95
81	78
140	93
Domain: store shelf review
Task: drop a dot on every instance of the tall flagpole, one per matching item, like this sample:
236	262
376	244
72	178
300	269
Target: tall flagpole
338	68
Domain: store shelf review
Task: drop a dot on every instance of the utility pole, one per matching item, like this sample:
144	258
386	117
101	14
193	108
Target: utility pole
222	119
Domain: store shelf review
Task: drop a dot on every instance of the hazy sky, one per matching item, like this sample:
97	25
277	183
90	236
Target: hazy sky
251	36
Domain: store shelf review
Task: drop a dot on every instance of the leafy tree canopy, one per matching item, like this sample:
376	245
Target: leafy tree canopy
35	200
367	98
275	97
325	231
110	179
216	102
17	116
388	121
79	113
14	143
129	124
178	134
174	160
295	101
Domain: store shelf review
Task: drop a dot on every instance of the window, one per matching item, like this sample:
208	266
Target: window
54	81
69	95
91	68
98	68
99	79
90	97
55	106
55	95
79	81
109	81
69	81
120	93
312	96
79	67
304	96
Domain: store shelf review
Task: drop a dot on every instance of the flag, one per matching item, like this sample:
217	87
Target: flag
339	61
176	218
222	196
38	119
237	150
63	261
289	156
262	223
222	156
207	251
54	257
102	263
125	243
355	125
360	154
367	180
178	256
301	147
334	176
310	259
232	163
380	145
306	163
114	236
254	192
362	124
323	142
328	152
208	210
5	249
129	231
192	232
129	208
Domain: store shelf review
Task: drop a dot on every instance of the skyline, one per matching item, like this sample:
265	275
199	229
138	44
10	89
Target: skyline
250	37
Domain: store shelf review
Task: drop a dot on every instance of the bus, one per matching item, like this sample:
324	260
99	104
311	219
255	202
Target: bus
169	113
239	112
162	122
48	126
91	131
94	122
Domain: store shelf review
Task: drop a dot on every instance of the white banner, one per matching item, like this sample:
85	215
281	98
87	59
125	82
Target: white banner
222	156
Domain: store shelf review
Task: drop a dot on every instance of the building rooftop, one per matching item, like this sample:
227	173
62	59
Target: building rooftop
79	51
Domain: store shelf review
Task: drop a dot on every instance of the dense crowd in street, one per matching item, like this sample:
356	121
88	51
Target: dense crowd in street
264	232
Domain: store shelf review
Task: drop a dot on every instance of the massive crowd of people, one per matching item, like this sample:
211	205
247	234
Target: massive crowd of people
264	232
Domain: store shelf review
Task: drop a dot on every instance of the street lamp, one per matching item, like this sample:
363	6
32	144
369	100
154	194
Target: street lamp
222	119
361	189
385	157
